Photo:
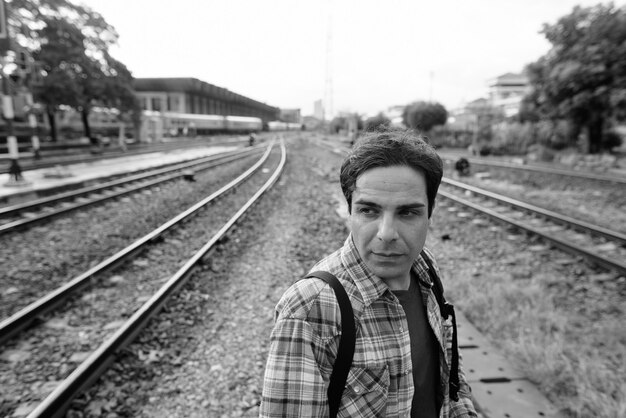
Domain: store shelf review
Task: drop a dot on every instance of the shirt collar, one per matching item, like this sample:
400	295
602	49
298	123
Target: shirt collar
420	269
369	285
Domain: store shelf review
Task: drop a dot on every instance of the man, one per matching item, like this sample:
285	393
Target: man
401	364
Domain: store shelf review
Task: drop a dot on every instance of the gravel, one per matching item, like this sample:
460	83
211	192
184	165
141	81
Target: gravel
41	258
42	356
205	354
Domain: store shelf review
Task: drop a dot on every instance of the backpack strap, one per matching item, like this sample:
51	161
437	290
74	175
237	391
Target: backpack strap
345	352
447	310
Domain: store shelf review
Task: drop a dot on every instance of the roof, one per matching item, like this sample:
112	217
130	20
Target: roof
509	79
191	85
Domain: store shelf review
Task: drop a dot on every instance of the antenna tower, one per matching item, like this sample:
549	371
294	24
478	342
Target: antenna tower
328	87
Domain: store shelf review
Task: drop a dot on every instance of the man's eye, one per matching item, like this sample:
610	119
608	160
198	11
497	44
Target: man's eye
366	211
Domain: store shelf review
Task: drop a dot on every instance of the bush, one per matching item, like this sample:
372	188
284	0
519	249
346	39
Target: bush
611	140
443	136
376	122
516	138
512	138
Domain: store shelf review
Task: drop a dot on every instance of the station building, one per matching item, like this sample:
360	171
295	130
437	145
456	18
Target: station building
190	95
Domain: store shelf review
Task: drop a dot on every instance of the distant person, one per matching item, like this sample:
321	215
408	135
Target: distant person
15	171
462	167
251	139
405	362
121	137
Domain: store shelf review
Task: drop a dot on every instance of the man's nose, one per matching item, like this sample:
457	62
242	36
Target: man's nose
387	230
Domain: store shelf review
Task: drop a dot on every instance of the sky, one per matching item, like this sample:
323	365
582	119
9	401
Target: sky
374	54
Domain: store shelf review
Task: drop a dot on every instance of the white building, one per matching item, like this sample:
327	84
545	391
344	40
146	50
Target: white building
318	109
507	91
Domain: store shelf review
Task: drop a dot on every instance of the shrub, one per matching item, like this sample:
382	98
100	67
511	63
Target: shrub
611	140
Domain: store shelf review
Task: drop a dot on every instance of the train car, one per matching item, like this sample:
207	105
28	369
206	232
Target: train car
171	124
243	124
187	124
105	123
284	126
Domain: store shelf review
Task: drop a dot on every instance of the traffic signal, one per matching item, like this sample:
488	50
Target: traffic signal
22	60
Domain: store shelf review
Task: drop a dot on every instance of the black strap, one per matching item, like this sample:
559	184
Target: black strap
447	310
345	352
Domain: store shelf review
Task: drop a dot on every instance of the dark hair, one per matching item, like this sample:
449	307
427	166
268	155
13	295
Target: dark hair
388	148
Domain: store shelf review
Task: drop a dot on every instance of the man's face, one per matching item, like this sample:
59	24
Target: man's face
389	221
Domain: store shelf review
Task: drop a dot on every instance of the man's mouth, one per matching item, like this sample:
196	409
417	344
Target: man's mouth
386	254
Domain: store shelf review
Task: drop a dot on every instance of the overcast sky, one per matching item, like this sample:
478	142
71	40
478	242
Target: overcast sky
383	53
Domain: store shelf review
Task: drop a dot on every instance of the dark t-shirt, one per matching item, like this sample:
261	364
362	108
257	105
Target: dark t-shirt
424	352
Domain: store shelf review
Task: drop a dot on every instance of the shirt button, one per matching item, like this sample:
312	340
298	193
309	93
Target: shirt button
406	372
357	389
401	329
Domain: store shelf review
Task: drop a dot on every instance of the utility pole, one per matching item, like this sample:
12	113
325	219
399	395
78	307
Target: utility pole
15	171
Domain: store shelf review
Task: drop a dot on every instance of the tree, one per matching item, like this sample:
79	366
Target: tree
337	124
424	115
375	121
61	53
583	77
27	17
72	44
119	93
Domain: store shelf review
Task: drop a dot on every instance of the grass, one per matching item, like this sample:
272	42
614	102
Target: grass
573	349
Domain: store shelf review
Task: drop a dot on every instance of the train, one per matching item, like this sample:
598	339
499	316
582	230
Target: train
174	124
105	123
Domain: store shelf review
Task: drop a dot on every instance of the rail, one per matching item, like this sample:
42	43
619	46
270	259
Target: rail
87	372
166	174
539	169
27	315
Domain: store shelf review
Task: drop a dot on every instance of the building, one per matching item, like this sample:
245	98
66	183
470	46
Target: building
190	95
318	109
507	91
290	115
466	118
312	123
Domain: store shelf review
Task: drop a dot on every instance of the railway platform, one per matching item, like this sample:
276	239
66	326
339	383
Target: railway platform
46	181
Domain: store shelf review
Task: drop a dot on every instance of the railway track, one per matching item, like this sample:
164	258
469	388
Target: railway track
99	330
600	246
451	158
36	211
54	158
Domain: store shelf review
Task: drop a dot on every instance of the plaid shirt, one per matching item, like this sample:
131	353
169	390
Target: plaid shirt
305	338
